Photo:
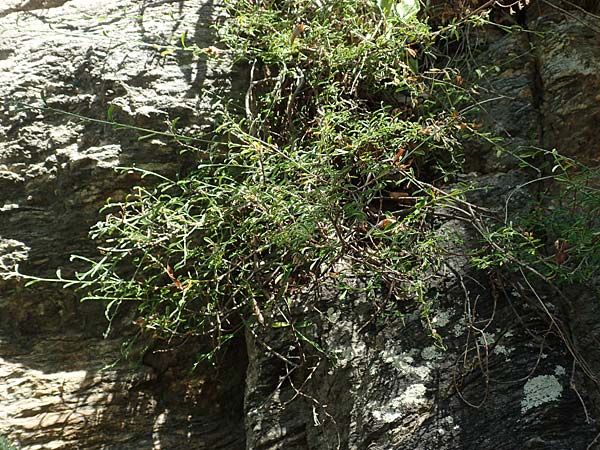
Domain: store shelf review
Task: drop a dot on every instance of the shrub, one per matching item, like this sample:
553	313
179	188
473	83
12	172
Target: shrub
333	169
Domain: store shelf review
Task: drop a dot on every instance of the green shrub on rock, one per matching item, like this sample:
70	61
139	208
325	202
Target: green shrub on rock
340	165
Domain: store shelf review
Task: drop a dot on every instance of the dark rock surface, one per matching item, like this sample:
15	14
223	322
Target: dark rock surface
505	381
568	58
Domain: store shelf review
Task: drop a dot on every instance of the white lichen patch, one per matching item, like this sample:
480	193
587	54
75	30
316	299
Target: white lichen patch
447	425
431	353
486	339
12	252
442	318
355	350
412	398
559	371
459	328
405	364
333	315
503	351
540	390
390	412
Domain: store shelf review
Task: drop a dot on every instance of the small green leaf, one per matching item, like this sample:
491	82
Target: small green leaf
407	9
414	65
404	9
109	113
385	6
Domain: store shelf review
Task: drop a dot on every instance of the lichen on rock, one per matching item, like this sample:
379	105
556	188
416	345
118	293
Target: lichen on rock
540	390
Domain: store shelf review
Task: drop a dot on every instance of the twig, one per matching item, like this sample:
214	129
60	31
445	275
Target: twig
573	386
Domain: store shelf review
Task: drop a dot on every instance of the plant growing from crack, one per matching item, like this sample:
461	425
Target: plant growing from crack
329	172
335	170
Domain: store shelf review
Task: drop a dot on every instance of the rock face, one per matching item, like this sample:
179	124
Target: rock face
63	386
569	78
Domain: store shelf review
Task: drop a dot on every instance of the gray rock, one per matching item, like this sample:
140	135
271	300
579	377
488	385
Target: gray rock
62	385
569	72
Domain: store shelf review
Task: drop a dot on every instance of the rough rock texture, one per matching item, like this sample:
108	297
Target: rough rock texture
568	58
496	386
56	170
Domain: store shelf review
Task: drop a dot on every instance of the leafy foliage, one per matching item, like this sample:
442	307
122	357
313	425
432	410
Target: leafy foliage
326	175
558	237
334	169
5	444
